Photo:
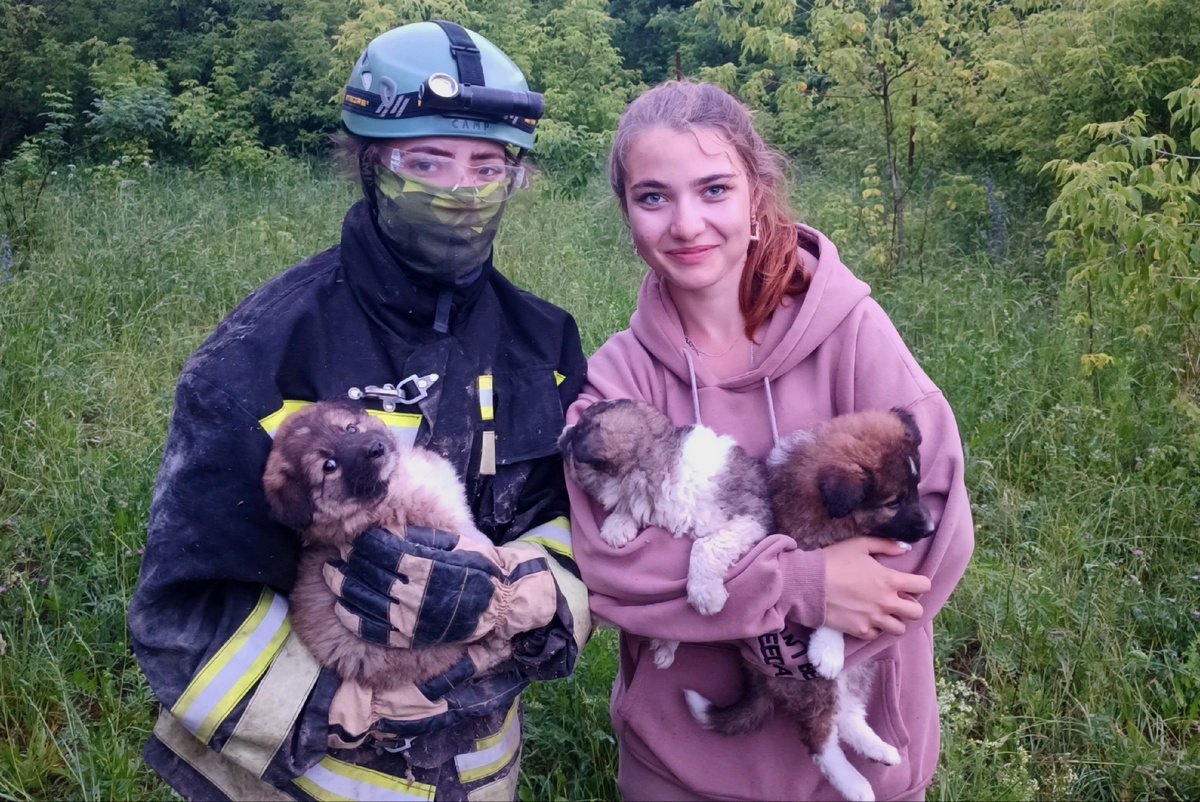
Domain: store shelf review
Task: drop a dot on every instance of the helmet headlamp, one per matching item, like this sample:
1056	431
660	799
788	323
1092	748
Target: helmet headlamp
440	85
442	93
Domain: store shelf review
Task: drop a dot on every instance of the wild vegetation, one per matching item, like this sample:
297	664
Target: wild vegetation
1017	180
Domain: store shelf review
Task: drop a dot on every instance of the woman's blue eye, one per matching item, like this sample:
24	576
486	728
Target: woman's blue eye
651	199
716	190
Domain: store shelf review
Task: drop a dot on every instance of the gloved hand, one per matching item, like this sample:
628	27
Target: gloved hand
357	712
433	587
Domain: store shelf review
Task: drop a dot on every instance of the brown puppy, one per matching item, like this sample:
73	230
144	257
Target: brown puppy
852	476
334	471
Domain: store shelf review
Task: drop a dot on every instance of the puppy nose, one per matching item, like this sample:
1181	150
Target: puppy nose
928	519
376	450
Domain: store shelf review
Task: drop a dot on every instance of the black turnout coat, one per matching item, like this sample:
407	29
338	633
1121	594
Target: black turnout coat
209	616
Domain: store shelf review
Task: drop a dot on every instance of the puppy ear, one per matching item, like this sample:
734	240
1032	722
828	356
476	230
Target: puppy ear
287	500
564	438
910	424
842	489
578	444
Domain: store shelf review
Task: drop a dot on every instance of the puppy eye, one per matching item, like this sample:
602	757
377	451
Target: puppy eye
894	504
352	429
330	466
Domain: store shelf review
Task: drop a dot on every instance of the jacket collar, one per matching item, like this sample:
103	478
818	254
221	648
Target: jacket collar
388	292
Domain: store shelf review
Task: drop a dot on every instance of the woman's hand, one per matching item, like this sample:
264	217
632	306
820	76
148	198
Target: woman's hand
863	598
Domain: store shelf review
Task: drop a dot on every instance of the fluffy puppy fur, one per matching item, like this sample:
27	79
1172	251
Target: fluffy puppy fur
334	471
645	471
854	475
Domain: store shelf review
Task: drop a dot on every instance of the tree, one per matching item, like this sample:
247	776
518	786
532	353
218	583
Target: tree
1128	221
1044	70
31	59
653	32
889	64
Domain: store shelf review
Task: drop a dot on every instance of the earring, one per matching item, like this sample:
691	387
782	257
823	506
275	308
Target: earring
754	237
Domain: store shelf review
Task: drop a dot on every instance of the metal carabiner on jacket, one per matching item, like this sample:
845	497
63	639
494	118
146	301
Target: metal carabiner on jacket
391	394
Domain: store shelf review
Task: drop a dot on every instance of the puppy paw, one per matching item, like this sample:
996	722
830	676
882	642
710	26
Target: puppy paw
827	664
664	652
844	777
707	597
618	530
827	652
888	755
699	706
858	792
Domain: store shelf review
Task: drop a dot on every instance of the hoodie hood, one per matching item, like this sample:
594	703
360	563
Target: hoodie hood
799	325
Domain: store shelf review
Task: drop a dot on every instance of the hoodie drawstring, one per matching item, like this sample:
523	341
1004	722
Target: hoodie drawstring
695	390
771	412
687	355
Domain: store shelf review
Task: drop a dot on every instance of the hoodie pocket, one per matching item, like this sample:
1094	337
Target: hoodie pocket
884	712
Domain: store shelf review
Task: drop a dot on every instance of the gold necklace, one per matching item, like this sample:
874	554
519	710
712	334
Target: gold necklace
692	345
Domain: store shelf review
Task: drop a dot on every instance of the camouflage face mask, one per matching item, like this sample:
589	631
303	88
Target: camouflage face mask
442	234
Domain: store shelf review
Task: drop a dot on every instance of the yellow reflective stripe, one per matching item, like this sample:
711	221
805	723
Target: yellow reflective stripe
558	378
272	422
572	590
333	780
553	535
274	707
404	425
238	664
492	753
231	779
486	403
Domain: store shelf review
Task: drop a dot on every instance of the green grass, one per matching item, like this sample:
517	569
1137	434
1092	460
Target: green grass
1069	657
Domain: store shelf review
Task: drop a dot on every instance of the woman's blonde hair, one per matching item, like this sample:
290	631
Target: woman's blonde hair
773	265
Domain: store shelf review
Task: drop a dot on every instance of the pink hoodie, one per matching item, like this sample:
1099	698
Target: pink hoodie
832	351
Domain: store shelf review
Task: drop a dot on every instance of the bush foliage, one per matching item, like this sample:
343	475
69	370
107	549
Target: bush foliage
1018	179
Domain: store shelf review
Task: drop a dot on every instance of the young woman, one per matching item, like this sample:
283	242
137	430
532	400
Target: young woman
408	315
749	323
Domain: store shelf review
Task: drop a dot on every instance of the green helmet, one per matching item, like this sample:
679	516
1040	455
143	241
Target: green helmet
439	79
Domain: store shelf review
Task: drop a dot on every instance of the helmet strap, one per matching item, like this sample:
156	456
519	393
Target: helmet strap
465	53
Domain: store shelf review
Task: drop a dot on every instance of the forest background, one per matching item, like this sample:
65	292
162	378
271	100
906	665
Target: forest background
1017	180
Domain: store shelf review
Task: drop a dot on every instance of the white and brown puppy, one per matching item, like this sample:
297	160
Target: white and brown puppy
852	476
646	471
334	471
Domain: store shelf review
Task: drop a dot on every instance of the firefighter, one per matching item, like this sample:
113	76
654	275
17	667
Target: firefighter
409	316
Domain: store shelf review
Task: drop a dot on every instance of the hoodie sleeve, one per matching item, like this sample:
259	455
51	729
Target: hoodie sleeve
879	372
641	587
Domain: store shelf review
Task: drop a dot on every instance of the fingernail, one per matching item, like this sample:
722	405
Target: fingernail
903	545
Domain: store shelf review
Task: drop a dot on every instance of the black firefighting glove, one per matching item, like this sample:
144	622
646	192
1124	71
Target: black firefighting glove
432	587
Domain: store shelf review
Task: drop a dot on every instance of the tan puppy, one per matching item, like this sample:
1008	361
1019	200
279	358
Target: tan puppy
333	472
852	476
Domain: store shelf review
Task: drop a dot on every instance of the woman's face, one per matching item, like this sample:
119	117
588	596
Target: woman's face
689	206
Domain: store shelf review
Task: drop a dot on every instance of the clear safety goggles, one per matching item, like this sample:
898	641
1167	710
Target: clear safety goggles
443	173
